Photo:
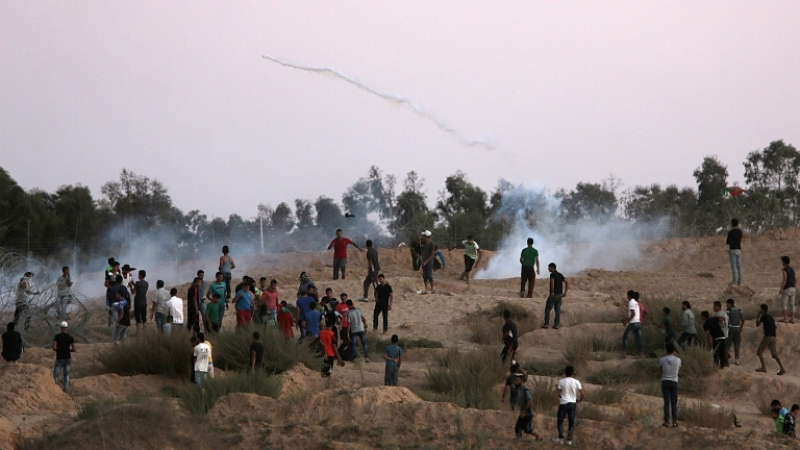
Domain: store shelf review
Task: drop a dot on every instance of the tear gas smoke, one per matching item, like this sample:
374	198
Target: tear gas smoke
396	99
609	243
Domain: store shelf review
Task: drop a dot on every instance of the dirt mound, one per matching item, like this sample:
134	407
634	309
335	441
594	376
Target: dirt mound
742	292
299	379
115	386
28	389
8	437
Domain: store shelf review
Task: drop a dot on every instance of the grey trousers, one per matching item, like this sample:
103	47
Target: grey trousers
735	338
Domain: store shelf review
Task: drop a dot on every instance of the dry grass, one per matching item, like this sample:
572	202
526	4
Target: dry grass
544	368
696	365
486	325
232	350
638	412
468	379
610	376
606	395
652	389
543	393
706	415
589	411
150	354
201	400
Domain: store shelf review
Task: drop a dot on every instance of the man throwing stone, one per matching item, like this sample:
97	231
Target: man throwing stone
472	256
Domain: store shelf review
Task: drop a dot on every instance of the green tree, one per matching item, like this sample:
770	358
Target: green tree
712	179
304	212
772	178
463	207
329	215
589	201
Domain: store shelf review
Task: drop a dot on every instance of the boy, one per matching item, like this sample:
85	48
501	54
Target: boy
525	411
510	387
201	355
329	349
393	355
286	320
212	318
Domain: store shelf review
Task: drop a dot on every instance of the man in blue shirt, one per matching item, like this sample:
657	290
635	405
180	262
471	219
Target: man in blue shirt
312	321
393	355
303	306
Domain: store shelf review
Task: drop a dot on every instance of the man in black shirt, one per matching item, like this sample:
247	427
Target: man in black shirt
716	338
734	243
63	345
383	303
140	301
256	351
770	337
510	342
558	290
12	343
788	291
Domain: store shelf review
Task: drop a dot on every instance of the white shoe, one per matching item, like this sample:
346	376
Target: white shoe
363	299
569	443
558	441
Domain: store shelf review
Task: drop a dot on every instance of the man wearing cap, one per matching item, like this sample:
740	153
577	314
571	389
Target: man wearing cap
24	289
339	245
63	345
428	253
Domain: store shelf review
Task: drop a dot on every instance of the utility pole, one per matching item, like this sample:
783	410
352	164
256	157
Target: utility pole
261	222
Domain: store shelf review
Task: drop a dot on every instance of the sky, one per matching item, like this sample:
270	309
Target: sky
568	91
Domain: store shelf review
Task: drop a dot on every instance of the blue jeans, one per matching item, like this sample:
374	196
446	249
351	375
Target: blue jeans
736	266
199	377
553	302
62	364
161	319
390	377
566	410
636	328
686	338
354	344
63	304
226	277
669	389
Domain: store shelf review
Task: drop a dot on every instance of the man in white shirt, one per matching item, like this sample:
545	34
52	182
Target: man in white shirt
201	355
670	365
160	311
570	393
175	308
64	292
633	324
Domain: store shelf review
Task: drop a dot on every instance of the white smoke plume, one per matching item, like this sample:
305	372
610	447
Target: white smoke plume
487	143
612	244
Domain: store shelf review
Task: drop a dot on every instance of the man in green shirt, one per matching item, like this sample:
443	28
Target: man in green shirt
218	287
472	256
528	258
668	326
212	316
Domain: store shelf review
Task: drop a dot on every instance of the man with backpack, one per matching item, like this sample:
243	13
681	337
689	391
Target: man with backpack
525	419
633	324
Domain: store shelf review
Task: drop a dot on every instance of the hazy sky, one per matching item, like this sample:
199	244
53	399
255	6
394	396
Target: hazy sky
570	91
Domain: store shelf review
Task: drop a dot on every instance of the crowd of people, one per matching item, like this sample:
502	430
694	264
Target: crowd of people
336	326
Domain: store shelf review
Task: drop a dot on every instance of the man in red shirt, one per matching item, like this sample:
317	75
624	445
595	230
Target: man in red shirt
342	309
285	320
339	245
329	342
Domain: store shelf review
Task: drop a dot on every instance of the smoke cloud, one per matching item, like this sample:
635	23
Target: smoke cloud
487	143
611	244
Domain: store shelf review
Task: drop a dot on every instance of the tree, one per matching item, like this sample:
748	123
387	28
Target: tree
281	218
652	205
772	177
304	213
463	207
411	212
712	179
329	215
588	201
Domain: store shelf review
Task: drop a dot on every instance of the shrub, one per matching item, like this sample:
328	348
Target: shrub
486	325
696	365
606	395
706	415
544	394
150	354
93	408
589	411
578	352
232	350
544	368
201	400
468	379
652	388
610	376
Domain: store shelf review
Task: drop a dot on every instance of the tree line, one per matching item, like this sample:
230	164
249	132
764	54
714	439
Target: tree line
70	220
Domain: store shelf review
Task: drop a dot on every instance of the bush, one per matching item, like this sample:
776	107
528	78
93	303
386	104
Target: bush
610	376
150	354
201	400
606	395
696	365
94	408
486	325
232	350
543	393
581	349
652	388
706	415
589	411
544	368
468	379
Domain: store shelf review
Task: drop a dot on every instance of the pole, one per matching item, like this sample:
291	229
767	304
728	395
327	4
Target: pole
261	222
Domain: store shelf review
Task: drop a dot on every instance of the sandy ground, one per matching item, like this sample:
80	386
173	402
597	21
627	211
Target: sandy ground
353	410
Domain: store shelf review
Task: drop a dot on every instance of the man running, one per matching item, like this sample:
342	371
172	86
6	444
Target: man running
529	258
559	286
64	292
226	266
384	297
715	338
788	290
633	324
669	366
373	269
770	338
734	243
428	253
525	419
393	355
64	346
687	324
570	393
510	387
472	256
510	341
736	323
339	245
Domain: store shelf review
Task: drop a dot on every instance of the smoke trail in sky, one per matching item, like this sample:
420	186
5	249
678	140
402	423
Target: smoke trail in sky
397	99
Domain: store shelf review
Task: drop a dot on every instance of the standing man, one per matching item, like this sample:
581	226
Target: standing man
428	253
633	324
24	289
63	345
200	357
383	303
339	245
358	329
202	292
373	269
472	256
734	242
570	393
416	253
193	304
670	365
770	338
716	338
736	323
510	338
140	301
528	258
226	266
218	287
175	309
687	325
559	286
393	355
127	277
303	306
242	302
64	292
328	339
788	290
159	311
